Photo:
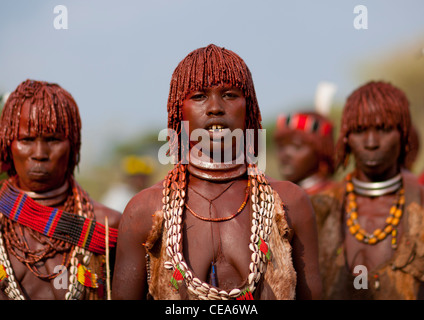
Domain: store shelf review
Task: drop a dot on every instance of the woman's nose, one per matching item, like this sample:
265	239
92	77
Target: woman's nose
371	139
40	150
215	105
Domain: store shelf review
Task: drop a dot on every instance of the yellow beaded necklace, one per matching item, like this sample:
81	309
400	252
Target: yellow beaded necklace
392	221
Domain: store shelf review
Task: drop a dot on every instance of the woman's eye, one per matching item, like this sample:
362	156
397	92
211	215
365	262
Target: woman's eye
386	129
52	139
359	130
26	139
230	94
197	96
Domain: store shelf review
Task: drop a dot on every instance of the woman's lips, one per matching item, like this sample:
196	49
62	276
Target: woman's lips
38	173
371	162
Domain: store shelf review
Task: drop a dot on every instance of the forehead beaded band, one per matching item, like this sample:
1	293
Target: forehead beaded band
304	122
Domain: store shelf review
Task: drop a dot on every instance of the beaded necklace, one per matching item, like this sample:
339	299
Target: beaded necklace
240	209
76	288
378	235
54	223
174	192
221	219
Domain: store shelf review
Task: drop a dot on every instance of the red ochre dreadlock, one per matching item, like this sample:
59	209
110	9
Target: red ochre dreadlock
203	68
56	111
375	104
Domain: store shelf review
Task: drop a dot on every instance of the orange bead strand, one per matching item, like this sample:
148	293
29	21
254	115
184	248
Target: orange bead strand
378	235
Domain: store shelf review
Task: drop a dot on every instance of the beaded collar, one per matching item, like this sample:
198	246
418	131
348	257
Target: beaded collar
75	289
52	222
262	199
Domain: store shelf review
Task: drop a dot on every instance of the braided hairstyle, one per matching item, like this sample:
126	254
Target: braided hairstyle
375	104
52	110
206	67
56	111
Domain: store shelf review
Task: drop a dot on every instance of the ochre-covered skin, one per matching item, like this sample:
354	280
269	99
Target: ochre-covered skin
40	145
213	86
374	130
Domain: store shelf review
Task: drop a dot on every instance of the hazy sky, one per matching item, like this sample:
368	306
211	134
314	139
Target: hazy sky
116	57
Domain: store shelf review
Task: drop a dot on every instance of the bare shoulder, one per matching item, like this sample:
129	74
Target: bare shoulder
286	189
137	216
101	212
296	201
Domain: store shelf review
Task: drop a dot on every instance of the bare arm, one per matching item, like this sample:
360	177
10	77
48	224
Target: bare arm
301	219
129	280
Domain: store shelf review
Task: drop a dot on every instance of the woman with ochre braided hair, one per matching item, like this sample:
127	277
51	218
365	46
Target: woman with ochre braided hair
372	235
52	235
216	229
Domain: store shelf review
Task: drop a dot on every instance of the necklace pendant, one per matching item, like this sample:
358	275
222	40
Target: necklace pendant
212	275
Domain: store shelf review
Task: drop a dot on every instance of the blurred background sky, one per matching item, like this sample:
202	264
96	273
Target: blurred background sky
116	57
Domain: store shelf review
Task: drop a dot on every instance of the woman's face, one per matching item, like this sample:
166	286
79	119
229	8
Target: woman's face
40	160
297	158
376	151
220	113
